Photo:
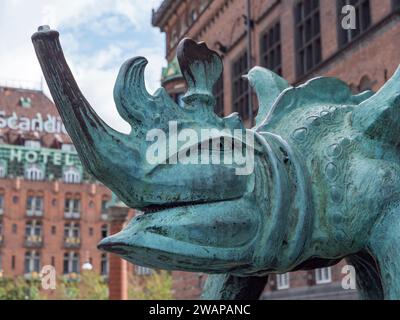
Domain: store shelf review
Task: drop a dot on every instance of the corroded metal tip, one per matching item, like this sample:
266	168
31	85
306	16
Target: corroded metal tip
45	32
44	28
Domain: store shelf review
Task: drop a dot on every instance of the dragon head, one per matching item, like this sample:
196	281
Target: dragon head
192	173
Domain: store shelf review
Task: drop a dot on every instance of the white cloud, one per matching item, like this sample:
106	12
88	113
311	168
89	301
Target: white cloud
95	71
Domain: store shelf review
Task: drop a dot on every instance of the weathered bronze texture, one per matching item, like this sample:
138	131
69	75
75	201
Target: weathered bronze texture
325	185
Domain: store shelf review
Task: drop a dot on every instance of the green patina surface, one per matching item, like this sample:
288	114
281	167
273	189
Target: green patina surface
325	186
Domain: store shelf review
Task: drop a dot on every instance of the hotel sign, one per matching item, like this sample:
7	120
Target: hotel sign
40	123
43	156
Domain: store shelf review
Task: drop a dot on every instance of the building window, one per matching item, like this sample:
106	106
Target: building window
363	20
33	229
1	204
104	204
143	271
218	93
33	144
72	175
1	234
68	147
72	230
174	37
14	229
72	208
104	265
34	206
283	281
323	275
104	231
91	232
25	102
13	263
32	262
34	172
71	262
193	15
53	230
271	53
308	35
240	87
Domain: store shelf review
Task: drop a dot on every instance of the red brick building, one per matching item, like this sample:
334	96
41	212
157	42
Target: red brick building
298	39
52	212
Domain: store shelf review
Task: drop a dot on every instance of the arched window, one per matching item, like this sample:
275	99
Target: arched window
32	262
72	175
34	172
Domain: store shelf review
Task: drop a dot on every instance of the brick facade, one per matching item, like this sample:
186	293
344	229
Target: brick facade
365	62
75	233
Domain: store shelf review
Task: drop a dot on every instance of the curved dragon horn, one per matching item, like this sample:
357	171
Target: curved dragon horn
130	92
92	137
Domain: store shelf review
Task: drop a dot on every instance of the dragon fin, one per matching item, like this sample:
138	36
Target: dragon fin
379	116
268	86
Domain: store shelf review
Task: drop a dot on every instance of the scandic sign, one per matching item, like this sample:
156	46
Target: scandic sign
40	123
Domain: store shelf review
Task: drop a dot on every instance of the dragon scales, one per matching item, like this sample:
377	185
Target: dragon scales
325	184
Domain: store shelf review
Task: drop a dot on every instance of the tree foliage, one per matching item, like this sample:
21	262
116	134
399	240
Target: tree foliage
20	289
157	286
88	286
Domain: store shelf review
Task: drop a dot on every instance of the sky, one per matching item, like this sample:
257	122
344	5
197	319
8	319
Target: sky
97	36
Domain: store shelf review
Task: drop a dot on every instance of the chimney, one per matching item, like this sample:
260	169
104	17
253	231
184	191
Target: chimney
118	273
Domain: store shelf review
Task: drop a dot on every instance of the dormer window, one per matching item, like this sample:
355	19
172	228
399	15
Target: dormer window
25	102
72	175
34	172
33	144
